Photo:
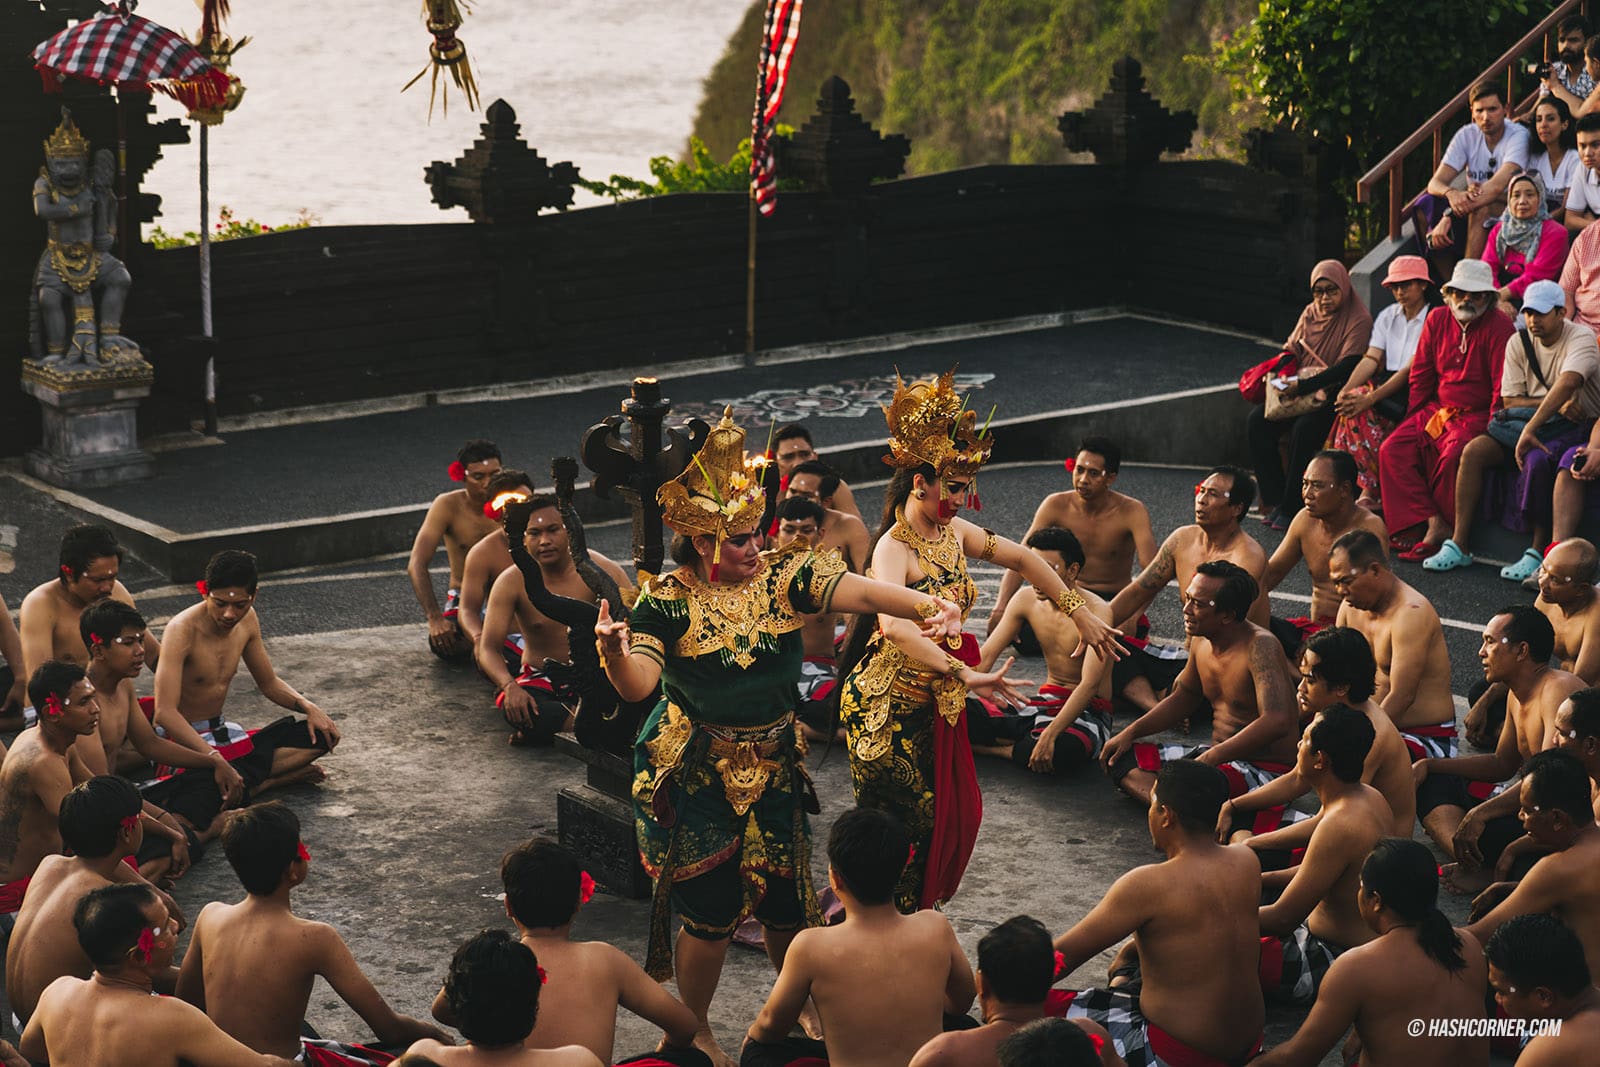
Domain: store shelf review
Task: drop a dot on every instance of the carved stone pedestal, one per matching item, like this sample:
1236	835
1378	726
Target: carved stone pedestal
595	820
91	434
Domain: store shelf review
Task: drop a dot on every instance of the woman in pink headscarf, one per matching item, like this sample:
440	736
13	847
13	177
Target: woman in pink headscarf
1328	343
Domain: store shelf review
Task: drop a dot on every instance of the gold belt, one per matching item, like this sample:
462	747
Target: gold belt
741	755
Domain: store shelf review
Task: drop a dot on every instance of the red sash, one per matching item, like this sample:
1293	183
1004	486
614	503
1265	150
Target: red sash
1175	1053
957	801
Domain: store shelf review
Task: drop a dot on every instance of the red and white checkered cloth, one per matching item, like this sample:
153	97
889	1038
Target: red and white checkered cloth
123	49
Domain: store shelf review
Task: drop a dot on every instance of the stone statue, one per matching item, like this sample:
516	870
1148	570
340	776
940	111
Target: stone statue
77	270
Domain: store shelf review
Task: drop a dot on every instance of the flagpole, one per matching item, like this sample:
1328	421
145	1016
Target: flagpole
750	286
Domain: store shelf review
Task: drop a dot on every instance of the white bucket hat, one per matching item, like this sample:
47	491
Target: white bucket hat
1472	276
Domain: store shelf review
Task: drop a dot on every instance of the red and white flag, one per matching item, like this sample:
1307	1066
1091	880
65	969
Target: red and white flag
782	30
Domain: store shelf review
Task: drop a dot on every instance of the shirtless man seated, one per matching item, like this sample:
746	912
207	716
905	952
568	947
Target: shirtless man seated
91	559
792	446
99	825
1016	967
485	561
1578	732
1538	972
1196	936
1070	718
1315	918
588	980
882	982
1569	599
1416	967
1221	501
1336	667
457	519
114	1016
530	701
1235	667
1558	815
1330	489
818	710
1407	640
493	992
114	633
251	965
1113	527
206	642
13	676
1464	811
842	531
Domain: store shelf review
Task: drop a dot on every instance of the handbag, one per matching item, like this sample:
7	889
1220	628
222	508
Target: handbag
1281	408
1253	382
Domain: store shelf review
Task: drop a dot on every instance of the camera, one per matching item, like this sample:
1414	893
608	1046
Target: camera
1539	70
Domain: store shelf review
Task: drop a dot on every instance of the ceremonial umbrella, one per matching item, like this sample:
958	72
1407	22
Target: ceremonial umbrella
120	49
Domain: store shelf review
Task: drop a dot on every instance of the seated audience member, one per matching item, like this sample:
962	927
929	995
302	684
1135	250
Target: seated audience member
1315	918
115	1016
250	966
1113	528
1526	245
1221	501
1538	972
1016	967
1583	196
530	701
90	561
882	982
818	709
1068	721
1554	156
1188	991
1580	277
1336	667
114	633
1416	967
1549	397
457	519
1328	342
1557	813
1569	599
206	643
1489	151
1570	502
1237	668
492	991
1057	1043
587	980
487	559
1455	376
39	770
792	446
842	531
1567	77
1578	733
1407	641
100	826
1374	399
1473	822
1330	512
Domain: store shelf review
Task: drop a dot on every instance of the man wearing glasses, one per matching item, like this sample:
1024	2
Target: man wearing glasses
1455	378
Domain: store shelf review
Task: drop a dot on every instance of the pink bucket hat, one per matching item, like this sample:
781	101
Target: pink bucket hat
1407	269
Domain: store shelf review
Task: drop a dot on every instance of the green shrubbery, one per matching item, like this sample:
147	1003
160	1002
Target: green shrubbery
229	228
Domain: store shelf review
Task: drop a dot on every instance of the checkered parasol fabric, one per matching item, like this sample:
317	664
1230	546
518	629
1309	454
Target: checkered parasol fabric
122	49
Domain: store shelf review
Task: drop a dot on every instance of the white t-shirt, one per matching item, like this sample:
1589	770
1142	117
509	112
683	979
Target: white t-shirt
1585	192
1557	184
1396	337
1469	152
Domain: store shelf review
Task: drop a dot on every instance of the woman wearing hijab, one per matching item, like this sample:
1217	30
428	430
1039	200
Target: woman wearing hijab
1526	245
1328	342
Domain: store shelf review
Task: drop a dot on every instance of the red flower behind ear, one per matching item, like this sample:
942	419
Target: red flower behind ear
96	639
489	511
52	706
543	977
457	471
1071	464
129	822
147	943
1061	968
1099	1044
301	854
202	587
585	887
66	571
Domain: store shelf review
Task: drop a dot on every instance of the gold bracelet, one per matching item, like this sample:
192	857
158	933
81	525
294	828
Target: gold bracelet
927	609
600	650
956	666
990	542
1069	600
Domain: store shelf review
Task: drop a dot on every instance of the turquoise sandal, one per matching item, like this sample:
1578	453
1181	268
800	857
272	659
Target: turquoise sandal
1524	567
1449	557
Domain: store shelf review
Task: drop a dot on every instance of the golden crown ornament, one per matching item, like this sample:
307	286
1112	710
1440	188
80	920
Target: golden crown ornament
719	493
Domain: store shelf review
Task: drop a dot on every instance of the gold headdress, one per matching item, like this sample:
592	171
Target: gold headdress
66	142
719	492
929	424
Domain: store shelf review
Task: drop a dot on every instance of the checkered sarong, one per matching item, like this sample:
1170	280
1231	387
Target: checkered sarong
1242	776
819	675
1114	1009
1292	967
320	1053
1432	742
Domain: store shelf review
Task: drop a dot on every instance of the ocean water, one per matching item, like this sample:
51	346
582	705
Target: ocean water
324	127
